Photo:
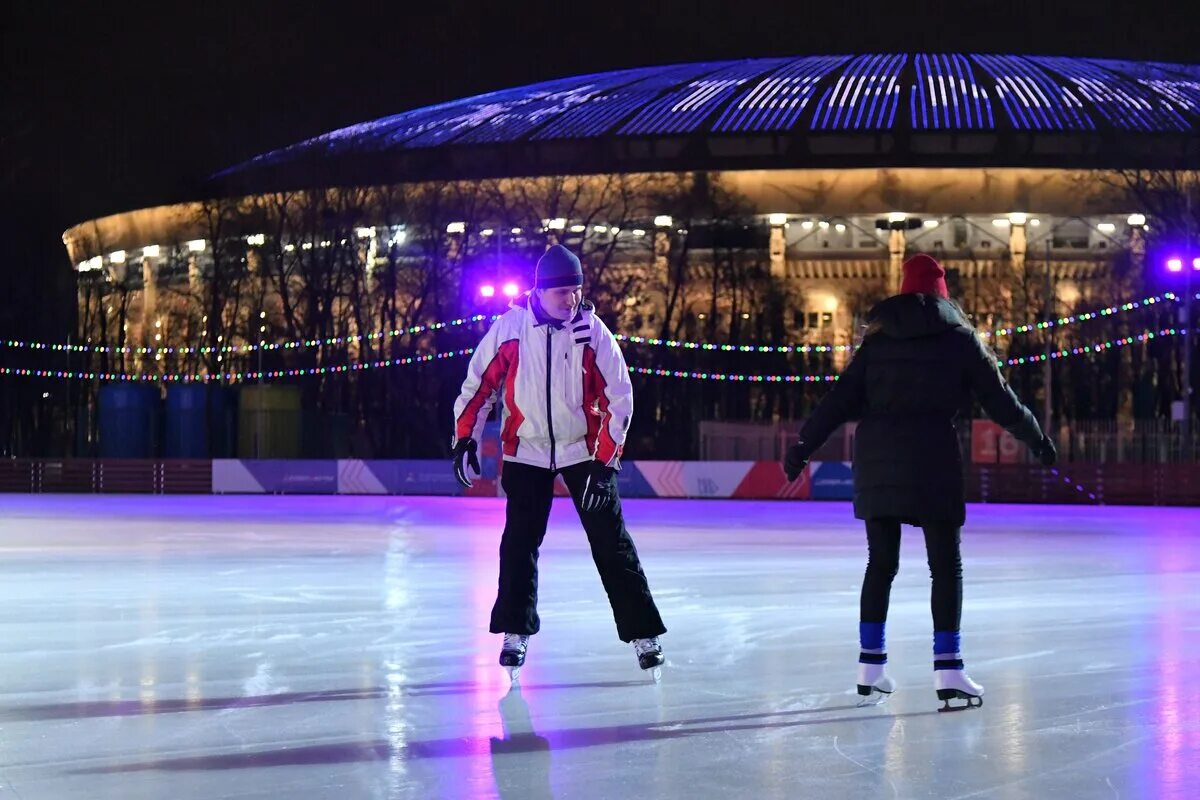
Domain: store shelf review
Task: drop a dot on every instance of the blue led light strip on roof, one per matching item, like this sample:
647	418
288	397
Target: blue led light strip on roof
950	92
515	123
401	128
948	96
865	95
875	87
848	101
597	115
1011	108
1032	99
475	114
839	90
1185	94
1123	102
376	134
1036	103
958	91
776	101
890	92
927	95
682	110
395	131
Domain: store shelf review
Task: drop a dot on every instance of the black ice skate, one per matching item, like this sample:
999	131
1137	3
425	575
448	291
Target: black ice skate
650	655
512	654
953	683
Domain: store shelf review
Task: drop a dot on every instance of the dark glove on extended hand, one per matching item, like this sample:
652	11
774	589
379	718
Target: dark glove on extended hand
1046	452
600	489
796	460
467	448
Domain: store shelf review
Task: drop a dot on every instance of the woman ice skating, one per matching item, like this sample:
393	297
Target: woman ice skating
567	405
919	364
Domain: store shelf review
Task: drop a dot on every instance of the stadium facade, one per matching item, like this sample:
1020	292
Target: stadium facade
816	175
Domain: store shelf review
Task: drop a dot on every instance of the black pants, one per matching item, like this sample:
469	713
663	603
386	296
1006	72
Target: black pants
883	560
530	492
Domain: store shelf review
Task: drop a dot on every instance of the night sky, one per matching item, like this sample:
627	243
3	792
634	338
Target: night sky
113	106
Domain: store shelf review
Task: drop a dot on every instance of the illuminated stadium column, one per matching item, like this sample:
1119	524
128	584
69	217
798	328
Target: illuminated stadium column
897	244
777	248
149	289
1017	243
455	233
368	250
117	268
195	278
662	243
1137	241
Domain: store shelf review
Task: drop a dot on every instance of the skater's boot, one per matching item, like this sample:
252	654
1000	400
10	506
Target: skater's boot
874	685
512	654
953	683
650	655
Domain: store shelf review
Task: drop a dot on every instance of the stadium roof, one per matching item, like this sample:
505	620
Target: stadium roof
841	110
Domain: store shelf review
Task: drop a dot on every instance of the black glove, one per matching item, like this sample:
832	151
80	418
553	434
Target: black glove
1046	452
601	488
465	447
796	460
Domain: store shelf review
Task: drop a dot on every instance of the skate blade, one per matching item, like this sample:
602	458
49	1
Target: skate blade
514	675
946	695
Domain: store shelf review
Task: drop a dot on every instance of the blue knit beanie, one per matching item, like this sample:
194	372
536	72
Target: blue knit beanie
558	266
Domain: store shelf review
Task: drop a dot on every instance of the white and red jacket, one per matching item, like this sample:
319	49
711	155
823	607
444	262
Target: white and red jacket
567	394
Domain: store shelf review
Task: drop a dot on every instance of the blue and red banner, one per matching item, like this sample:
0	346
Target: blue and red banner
762	480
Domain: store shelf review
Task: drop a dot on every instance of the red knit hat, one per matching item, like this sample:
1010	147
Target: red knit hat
924	275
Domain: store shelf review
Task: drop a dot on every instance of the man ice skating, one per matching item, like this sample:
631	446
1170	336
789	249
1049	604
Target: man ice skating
919	364
567	406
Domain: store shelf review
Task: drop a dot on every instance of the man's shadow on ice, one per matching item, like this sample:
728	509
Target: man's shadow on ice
521	758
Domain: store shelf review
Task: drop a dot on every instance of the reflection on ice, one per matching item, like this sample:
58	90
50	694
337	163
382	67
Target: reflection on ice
337	647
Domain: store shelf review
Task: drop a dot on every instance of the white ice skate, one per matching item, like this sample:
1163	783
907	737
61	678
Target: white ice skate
874	685
955	684
512	654
650	656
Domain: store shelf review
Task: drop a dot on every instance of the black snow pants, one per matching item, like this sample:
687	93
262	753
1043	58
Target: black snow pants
530	491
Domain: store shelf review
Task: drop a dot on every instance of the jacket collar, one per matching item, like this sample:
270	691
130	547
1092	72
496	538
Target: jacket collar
539	317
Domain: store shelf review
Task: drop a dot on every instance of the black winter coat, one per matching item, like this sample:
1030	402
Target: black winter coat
918	367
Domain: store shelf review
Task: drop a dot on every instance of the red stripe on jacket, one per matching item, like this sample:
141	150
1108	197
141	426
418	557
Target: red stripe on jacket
489	382
595	405
508	436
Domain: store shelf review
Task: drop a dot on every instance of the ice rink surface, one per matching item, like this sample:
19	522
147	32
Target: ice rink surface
336	647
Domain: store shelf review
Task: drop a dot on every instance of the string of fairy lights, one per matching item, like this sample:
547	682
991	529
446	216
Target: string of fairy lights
223	349
341	341
258	375
235	377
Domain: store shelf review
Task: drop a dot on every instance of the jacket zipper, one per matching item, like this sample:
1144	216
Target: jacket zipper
549	409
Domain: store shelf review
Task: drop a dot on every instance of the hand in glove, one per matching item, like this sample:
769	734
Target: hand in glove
795	460
1046	452
601	488
464	449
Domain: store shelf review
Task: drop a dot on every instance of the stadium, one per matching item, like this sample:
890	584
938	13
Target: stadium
766	200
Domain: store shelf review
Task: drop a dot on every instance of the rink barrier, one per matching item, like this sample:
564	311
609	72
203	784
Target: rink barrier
1077	483
106	476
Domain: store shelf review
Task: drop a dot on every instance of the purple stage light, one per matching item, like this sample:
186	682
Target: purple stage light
511	290
487	290
1175	265
1196	264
